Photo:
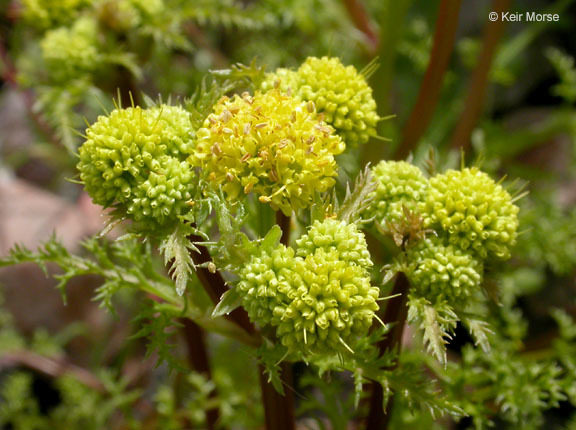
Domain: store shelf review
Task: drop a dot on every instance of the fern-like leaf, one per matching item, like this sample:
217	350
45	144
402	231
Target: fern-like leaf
176	248
356	201
436	321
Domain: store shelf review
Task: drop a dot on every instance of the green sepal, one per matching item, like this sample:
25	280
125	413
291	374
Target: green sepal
272	239
229	301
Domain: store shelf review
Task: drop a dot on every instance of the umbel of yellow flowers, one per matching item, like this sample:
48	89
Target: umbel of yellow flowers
339	92
269	144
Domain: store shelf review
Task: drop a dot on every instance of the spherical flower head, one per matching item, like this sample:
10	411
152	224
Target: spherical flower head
125	15
135	160
285	79
443	271
319	304
474	212
71	52
338	91
401	186
269	144
331	234
50	13
265	283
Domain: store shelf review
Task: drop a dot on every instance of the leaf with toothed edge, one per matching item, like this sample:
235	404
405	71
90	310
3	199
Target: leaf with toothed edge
480	330
436	321
176	249
270	356
357	201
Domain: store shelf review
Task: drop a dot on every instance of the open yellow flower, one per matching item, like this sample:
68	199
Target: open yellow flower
269	144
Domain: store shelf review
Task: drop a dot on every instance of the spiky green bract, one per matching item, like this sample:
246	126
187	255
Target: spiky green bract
338	91
401	185
50	13
319	304
269	144
336	235
445	272
474	213
135	160
71	52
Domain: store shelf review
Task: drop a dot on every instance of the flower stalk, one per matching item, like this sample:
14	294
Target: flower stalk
395	313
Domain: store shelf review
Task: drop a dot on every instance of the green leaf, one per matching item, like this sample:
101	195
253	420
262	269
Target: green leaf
565	323
176	249
229	301
564	65
411	382
157	325
479	329
271	355
272	238
433	334
357	201
435	320
358	386
319	208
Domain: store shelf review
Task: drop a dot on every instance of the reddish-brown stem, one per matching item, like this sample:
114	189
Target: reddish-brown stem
278	409
215	286
444	36
395	313
285	224
53	367
127	89
198	360
474	100
361	20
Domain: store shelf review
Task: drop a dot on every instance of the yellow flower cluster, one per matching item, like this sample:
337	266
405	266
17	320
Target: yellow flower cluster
269	144
71	52
51	13
340	92
124	15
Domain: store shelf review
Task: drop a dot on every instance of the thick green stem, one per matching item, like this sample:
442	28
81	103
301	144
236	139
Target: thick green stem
395	313
478	83
444	36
